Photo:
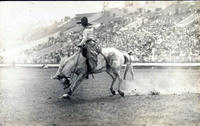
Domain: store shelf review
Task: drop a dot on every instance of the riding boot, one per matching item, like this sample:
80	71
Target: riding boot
69	92
87	76
88	69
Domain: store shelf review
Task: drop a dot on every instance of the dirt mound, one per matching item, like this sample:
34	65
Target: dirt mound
148	88
174	82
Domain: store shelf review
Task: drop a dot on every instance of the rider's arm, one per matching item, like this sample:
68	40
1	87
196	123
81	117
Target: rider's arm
84	39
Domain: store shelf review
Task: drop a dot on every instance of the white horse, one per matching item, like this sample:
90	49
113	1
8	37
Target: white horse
110	60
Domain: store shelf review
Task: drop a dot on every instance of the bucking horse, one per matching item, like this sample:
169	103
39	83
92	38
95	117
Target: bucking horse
74	69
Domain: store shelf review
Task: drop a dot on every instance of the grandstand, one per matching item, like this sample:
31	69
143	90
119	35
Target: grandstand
190	19
154	36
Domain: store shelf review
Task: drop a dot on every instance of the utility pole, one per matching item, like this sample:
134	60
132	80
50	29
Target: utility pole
105	7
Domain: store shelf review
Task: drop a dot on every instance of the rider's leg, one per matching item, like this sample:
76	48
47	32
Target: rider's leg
88	68
91	64
91	57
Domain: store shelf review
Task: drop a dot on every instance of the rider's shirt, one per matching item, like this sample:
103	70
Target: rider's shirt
87	34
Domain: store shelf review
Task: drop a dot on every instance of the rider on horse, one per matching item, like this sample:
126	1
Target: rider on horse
110	60
88	44
88	47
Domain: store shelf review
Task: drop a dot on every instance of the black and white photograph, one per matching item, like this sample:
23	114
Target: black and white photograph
100	63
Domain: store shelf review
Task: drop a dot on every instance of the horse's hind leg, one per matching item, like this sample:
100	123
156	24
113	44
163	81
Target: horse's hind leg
119	86
114	78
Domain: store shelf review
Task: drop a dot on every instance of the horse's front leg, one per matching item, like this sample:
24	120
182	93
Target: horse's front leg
74	86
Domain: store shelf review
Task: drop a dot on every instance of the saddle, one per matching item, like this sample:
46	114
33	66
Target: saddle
90	46
91	51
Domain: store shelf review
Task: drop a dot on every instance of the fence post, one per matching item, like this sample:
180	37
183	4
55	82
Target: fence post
170	57
153	54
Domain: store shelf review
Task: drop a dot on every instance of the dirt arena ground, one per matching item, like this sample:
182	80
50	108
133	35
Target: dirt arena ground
28	97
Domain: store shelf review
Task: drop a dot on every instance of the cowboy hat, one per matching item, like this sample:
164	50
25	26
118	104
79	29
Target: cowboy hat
84	21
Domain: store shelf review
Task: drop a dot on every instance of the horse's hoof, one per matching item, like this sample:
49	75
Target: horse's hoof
55	77
65	96
121	93
112	91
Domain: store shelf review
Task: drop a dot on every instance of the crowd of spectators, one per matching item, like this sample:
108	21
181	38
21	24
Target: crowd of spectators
155	38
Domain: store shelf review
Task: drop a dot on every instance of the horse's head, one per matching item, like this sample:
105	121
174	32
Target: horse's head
71	67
